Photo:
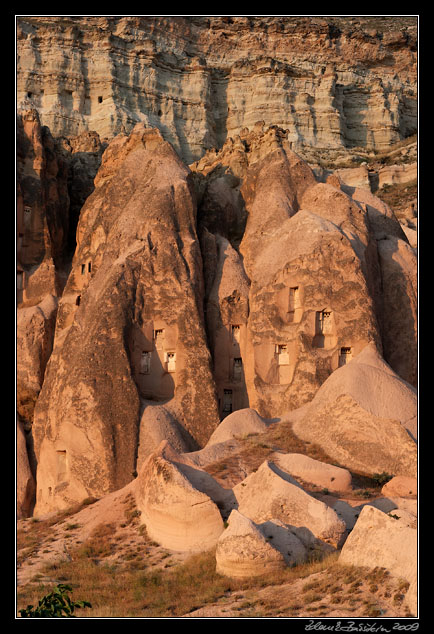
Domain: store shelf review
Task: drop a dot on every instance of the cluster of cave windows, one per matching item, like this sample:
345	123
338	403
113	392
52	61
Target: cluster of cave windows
169	357
83	268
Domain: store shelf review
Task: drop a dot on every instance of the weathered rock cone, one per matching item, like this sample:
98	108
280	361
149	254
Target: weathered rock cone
129	325
364	416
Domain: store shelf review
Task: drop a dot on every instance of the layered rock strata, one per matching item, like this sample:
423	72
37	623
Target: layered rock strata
333	83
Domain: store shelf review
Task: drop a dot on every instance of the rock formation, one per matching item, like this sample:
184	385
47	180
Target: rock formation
243	551
176	514
307	469
364	416
129	326
202	253
269	494
377	540
334	83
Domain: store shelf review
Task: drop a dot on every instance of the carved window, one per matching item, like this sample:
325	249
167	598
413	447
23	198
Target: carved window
145	363
345	356
83	269
282	354
78	300
159	338
99	99
171	361
293	299
236	334
237	369
324	321
61	466
227	401
89	266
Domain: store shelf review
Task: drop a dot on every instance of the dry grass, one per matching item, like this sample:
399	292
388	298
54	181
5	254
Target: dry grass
35	533
120	591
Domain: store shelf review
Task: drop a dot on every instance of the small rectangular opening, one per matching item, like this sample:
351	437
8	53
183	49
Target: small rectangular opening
145	363
99	99
227	401
237	369
83	269
89	267
236	333
61	466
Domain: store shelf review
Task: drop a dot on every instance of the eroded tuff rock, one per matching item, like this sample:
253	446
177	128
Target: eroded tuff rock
289	286
313	471
25	479
364	416
42	211
243	551
269	494
335	83
293	273
129	325
177	514
377	540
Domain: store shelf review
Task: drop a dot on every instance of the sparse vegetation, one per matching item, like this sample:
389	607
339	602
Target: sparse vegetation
55	604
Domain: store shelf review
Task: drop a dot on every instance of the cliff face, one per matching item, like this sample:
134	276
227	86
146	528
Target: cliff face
334	83
178	257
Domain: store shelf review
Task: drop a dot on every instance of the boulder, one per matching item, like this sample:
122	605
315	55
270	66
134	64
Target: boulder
313	471
269	493
379	540
400	486
243	551
176	514
237	425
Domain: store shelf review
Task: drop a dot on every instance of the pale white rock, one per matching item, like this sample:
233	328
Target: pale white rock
243	551
266	495
287	539
400	486
237	425
177	515
313	471
363	417
379	540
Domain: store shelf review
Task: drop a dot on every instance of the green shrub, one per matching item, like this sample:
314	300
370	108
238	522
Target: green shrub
57	604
